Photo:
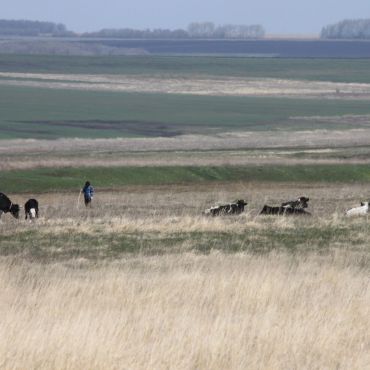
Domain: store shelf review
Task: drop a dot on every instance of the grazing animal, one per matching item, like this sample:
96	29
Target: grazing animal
6	205
297	211
293	207
31	209
358	211
234	208
300	203
267	210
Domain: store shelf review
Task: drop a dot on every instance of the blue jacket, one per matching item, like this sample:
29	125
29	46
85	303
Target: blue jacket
88	192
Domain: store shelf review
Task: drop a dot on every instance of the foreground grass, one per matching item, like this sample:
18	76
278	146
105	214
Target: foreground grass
335	70
56	179
186	312
143	281
51	114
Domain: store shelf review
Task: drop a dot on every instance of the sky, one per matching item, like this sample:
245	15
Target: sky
277	16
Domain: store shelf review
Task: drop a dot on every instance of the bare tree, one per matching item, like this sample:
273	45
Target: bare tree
347	29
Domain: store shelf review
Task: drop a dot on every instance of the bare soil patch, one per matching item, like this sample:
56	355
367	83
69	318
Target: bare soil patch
314	139
282	147
218	86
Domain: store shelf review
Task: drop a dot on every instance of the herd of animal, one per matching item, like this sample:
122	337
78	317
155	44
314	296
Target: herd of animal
293	207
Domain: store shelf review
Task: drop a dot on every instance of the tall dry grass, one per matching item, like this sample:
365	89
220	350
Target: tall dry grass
186	311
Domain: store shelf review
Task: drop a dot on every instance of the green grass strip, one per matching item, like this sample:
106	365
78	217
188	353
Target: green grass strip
49	179
336	70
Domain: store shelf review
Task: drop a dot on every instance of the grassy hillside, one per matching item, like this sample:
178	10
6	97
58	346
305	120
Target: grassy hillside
40	180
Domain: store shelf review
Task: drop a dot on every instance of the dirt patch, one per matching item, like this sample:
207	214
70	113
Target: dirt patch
159	159
262	148
227	86
315	139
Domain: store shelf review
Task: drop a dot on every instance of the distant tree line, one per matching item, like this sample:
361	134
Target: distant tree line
347	29
32	28
130	33
227	31
196	30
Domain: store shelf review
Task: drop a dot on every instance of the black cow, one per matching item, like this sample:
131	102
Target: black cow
31	209
293	207
267	210
234	208
6	206
300	203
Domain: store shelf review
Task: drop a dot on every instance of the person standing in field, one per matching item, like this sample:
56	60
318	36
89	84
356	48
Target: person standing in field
88	192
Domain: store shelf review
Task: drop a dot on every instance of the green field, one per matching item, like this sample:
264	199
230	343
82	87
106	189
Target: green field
49	114
336	70
36	112
48	179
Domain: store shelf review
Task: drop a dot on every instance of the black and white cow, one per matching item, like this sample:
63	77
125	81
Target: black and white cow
234	208
300	203
293	207
6	206
31	209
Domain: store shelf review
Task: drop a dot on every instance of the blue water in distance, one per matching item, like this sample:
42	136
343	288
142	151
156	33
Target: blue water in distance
268	48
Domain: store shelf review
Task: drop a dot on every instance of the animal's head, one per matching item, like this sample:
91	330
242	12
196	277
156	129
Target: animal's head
303	201
364	204
14	210
32	213
241	202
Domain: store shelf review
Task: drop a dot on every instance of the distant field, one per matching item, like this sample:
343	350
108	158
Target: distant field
50	114
50	179
335	70
77	111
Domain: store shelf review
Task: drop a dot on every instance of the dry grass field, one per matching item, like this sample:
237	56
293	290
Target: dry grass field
144	281
186	311
244	148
